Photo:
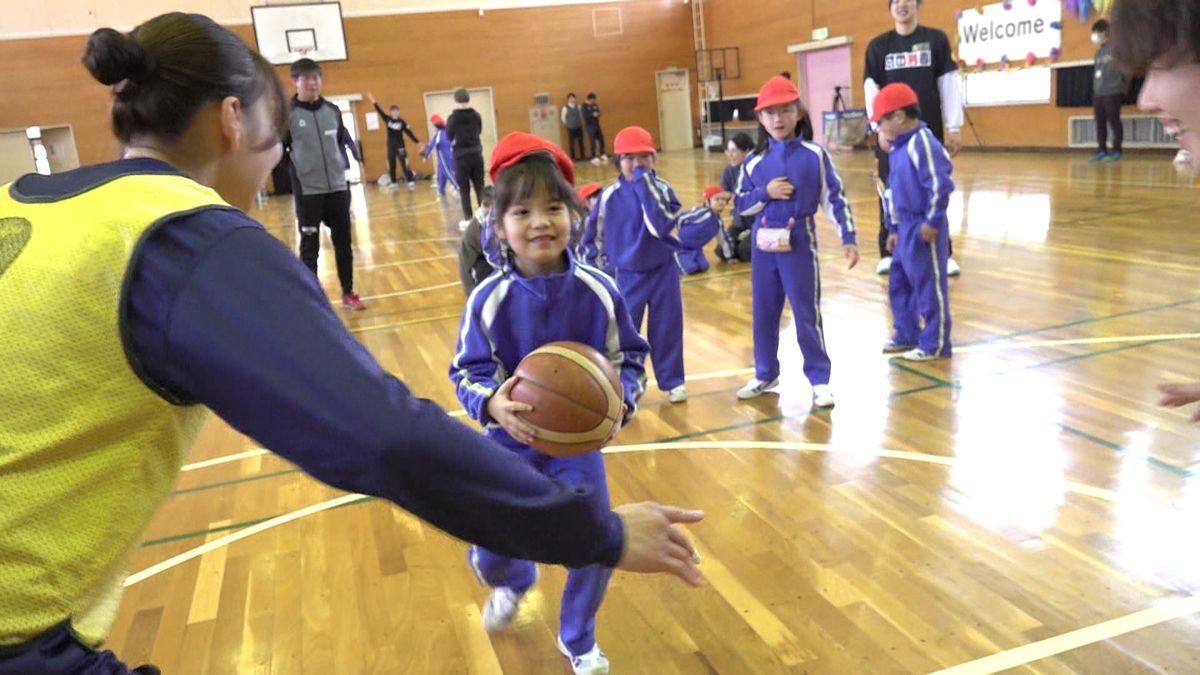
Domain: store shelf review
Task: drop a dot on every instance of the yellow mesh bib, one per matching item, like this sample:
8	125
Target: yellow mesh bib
87	450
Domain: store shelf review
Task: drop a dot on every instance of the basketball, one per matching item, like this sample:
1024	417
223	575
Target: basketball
576	398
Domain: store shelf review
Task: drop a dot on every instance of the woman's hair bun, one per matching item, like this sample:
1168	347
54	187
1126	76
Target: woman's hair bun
111	56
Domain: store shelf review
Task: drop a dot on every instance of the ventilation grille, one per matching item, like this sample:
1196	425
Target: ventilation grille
1141	131
606	21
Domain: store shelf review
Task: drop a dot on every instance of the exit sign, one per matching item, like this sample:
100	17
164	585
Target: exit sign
820	33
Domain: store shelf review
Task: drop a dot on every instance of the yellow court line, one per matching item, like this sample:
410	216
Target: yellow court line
1168	610
411	291
998	346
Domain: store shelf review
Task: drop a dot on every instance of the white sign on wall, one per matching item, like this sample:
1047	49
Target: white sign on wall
995	32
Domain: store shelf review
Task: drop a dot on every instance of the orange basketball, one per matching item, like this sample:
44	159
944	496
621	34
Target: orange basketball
576	397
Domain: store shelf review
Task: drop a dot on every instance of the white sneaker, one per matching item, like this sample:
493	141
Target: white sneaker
500	609
884	266
411	185
595	160
919	354
952	268
1182	157
677	395
463	225
603	158
756	387
893	347
822	396
594	662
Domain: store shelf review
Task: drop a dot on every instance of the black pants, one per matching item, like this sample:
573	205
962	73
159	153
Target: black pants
1107	110
597	137
59	650
334	210
397	151
468	171
883	170
573	136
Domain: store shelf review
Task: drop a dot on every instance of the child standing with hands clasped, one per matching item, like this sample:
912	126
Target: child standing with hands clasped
918	189
531	218
782	184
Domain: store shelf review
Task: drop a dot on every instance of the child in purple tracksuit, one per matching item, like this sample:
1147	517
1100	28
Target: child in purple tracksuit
540	295
629	234
782	185
699	226
918	189
440	143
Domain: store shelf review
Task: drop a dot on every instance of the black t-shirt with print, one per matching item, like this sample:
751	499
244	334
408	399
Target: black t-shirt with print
917	60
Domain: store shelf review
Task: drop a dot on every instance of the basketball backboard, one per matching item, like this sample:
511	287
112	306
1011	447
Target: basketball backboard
285	33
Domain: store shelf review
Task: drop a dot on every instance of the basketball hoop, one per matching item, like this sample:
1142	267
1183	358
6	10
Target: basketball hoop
303	51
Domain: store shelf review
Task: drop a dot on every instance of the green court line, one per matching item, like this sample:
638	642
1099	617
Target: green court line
1177	470
936	384
201	533
896	363
232	481
1075	357
237	526
1082	322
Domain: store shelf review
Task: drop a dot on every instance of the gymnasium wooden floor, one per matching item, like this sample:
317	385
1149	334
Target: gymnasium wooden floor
1023	505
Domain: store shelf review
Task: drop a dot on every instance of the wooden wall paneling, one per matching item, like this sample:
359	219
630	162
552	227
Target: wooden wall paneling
763	48
517	52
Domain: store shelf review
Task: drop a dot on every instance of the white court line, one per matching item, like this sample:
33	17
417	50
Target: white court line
359	268
996	346
236	536
411	291
222	460
1168	610
258	452
1165	611
717	374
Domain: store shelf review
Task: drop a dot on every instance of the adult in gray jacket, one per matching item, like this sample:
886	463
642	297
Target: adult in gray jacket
314	145
1108	89
572	117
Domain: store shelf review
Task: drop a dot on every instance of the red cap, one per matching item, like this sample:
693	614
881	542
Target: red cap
437	120
712	191
891	98
777	91
633	140
588	190
518	145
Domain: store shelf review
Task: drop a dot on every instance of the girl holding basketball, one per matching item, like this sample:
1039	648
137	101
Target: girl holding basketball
541	294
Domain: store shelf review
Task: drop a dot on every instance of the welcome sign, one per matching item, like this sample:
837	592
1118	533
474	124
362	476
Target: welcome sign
995	33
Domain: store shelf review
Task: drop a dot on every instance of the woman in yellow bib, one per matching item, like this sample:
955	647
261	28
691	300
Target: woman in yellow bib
136	294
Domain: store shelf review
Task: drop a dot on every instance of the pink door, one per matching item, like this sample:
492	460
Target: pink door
820	71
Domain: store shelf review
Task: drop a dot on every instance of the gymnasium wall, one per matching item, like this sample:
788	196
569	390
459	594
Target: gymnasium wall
517	52
66	17
763	52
